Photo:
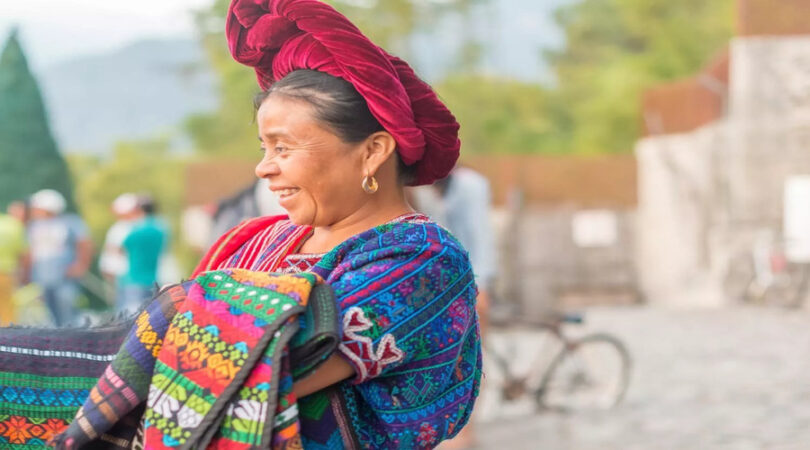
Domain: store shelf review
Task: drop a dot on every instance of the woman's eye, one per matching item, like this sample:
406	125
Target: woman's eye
276	150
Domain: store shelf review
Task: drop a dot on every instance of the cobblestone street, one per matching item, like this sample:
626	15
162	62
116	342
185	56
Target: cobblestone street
711	379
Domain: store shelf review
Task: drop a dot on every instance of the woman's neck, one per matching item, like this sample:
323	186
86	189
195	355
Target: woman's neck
324	239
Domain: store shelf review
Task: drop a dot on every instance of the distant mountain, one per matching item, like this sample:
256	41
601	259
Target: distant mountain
150	86
139	91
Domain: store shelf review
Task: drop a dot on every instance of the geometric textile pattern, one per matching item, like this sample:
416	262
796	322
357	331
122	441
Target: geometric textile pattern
209	362
45	376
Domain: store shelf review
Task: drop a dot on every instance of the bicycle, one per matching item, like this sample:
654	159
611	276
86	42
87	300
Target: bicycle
591	372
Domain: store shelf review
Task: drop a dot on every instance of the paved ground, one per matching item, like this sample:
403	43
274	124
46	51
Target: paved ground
722	379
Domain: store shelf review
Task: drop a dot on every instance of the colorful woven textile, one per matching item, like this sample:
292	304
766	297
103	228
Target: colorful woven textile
45	376
218	373
406	296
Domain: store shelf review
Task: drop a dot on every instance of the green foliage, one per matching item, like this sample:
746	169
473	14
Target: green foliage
140	167
29	159
386	22
502	116
228	130
615	49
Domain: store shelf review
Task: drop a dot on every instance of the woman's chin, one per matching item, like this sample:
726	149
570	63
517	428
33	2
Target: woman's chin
300	219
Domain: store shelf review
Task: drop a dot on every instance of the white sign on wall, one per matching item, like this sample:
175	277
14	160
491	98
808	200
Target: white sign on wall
797	218
595	228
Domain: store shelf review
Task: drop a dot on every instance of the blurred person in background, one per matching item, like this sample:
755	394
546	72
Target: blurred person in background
143	246
61	252
113	262
13	251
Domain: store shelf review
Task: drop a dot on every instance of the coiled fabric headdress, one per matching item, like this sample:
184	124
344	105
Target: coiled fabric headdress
276	37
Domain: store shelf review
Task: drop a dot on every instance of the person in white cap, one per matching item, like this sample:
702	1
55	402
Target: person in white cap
61	252
113	262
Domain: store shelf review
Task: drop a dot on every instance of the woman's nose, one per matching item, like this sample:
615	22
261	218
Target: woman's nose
266	167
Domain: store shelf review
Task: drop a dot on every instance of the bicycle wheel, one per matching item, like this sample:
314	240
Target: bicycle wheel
590	373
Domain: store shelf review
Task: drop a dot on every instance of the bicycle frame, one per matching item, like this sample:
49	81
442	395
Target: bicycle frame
514	386
542	381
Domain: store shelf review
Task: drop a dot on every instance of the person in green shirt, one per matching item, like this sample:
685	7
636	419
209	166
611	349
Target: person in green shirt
13	248
143	247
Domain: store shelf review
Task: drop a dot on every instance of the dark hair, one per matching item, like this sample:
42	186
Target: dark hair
337	105
147	204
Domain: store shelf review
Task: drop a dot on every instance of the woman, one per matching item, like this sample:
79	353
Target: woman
343	128
339	144
317	135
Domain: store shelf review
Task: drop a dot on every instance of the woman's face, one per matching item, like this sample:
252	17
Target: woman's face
314	174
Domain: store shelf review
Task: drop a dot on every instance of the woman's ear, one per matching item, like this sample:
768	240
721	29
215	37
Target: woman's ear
379	147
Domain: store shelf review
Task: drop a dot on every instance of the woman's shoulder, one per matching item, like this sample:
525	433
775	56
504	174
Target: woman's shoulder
414	234
411	229
419	230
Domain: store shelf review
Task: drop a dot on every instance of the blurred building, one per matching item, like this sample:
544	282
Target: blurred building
720	149
566	229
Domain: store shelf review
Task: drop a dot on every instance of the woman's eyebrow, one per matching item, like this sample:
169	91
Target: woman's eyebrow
274	134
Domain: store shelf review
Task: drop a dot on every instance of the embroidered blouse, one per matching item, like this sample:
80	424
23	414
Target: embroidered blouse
406	295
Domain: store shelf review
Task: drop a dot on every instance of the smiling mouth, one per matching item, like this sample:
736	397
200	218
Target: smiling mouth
284	193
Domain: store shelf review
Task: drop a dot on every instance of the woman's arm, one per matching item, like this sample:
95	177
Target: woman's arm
333	370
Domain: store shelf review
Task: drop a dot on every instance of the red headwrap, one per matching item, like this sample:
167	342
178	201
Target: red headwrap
277	37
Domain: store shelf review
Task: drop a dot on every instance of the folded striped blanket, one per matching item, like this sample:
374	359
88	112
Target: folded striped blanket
45	376
210	363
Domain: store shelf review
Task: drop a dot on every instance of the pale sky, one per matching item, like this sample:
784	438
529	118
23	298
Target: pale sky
56	30
53	31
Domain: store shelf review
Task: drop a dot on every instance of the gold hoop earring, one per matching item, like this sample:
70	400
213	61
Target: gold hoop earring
370	184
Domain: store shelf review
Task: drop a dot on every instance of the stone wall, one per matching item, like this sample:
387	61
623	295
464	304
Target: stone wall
706	194
769	113
543	268
678	192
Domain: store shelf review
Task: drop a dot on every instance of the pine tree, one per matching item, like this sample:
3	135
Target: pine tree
29	159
